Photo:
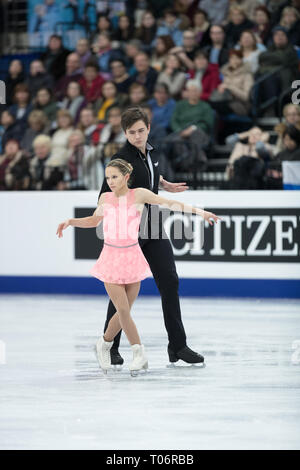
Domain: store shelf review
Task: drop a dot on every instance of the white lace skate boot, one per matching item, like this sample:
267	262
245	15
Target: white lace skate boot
140	360
103	353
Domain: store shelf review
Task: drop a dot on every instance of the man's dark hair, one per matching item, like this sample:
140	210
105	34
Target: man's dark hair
131	115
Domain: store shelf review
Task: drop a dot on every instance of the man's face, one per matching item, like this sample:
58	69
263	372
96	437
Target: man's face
217	35
193	93
86	118
82	46
137	134
141	63
280	39
43	97
41	150
160	95
114	118
72	63
11	148
54	44
6	119
36	67
90	73
117	69
189	39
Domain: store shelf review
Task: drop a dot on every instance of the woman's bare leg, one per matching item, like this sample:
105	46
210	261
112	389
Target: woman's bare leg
122	297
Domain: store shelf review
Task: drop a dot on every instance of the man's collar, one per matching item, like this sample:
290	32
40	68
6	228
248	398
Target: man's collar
149	146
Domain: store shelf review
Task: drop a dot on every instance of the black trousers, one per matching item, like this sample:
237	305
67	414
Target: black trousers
159	254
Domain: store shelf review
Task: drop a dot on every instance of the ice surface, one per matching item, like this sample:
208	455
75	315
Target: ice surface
53	395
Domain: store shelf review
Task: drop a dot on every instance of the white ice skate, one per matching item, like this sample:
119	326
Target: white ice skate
140	360
103	354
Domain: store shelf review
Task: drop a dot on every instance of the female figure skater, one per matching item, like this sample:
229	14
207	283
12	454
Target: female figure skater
121	264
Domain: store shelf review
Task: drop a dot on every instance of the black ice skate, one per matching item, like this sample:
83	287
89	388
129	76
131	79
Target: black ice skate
187	355
116	359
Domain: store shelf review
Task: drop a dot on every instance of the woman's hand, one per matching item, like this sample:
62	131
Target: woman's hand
210	215
62	227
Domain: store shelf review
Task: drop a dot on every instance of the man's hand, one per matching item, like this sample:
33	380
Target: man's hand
187	132
173	187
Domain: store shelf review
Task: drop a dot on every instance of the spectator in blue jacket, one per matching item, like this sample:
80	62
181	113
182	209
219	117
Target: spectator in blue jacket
162	105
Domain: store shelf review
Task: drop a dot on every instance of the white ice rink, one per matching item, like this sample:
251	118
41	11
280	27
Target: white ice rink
53	395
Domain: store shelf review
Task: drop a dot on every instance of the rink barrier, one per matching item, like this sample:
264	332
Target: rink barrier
188	287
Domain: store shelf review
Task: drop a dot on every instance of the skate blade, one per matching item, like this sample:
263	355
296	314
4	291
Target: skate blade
141	371
117	367
198	365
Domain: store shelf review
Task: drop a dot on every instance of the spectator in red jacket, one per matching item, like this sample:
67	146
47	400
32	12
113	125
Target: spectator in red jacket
91	82
207	74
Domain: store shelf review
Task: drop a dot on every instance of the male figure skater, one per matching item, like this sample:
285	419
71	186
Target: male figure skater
156	246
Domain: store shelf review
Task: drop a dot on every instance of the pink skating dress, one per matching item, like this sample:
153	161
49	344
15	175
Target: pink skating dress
121	260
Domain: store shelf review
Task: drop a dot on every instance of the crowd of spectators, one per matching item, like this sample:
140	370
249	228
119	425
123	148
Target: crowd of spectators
188	65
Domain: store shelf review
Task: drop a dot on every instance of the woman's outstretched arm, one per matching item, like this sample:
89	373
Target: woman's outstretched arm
144	196
84	222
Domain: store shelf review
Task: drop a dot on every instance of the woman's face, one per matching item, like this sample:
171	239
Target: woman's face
289	143
36	125
90	74
199	19
75	140
255	135
172	62
137	95
41	150
22	97
235	61
237	17
160	46
43	97
247	41
114	118
11	148
114	178
86	118
148	20
123	22
73	90
64	122
292	116
201	63
15	67
109	91
289	18
103	24
260	17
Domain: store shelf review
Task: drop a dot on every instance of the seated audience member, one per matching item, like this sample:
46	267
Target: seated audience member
38	78
250	49
156	137
262	25
216	10
14	76
280	53
145	74
44	102
73	74
146	32
201	27
255	147
238	22
186	52
74	101
12	129
83	169
162	105
22	105
125	29
104	25
91	83
110	97
89	126
120	76
291	115
170	25
172	75
105	53
61	136
38	124
208	75
217	51
192	122
83	49
233	94
291	144
248	6
290	20
14	172
54	58
45	172
132	49
137	95
160	52
112	137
